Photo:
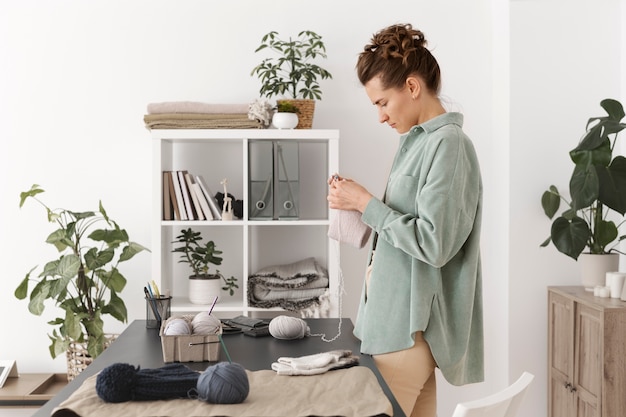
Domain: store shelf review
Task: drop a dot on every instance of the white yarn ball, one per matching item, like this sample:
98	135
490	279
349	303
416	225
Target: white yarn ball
288	328
204	323
177	327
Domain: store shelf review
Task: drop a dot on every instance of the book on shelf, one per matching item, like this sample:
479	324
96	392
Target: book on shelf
199	199
167	200
182	212
172	194
191	215
215	210
204	204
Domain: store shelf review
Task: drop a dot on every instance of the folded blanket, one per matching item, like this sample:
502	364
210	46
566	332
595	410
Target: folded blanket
315	364
343	392
200	121
292	286
195	107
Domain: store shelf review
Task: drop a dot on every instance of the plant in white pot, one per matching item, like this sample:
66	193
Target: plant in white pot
293	74
286	115
84	282
203	286
597	187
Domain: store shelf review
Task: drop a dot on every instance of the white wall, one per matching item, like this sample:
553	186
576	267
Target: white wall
76	76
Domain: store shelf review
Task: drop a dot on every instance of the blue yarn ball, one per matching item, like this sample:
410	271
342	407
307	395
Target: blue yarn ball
223	383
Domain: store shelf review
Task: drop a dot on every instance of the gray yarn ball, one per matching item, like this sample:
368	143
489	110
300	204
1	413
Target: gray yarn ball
223	383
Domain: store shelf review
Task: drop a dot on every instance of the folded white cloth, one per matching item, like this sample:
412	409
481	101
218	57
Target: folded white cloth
316	364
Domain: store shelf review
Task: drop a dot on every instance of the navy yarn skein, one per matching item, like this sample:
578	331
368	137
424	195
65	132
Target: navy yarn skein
223	383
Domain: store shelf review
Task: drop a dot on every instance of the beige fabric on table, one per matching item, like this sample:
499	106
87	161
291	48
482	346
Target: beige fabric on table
344	392
195	107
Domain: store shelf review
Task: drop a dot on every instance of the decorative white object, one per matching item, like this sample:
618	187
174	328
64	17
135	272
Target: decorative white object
227	208
615	282
203	290
283	120
593	268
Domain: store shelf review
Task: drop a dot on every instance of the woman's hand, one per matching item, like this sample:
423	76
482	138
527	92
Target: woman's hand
345	194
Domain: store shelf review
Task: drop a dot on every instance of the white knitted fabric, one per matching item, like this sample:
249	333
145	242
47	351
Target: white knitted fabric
318	363
346	226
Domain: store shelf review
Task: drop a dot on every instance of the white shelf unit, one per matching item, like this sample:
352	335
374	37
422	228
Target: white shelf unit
247	245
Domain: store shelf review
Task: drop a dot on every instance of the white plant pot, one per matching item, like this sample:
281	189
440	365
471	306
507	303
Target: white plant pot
203	290
284	120
593	268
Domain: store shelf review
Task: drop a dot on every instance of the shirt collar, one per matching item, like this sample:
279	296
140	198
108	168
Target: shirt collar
439	121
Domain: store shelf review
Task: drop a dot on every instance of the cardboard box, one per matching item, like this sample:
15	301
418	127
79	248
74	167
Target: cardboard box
190	348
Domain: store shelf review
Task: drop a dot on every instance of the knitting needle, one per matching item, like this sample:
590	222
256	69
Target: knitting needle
224	347
213	305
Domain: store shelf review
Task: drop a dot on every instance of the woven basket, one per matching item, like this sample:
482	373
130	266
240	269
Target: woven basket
306	109
78	358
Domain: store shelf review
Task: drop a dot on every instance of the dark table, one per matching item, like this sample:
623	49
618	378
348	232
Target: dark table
138	345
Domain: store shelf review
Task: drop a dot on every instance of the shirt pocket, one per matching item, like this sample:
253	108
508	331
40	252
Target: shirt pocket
403	192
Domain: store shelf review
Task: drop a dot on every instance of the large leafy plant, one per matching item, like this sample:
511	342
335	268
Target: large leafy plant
597	187
292	73
84	281
200	255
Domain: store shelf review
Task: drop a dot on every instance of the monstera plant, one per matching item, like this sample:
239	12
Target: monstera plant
597	190
84	281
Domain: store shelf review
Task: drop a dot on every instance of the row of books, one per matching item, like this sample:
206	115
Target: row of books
188	197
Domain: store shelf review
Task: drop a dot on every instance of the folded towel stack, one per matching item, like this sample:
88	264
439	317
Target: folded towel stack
196	115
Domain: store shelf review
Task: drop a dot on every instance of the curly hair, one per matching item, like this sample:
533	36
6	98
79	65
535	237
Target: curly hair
396	53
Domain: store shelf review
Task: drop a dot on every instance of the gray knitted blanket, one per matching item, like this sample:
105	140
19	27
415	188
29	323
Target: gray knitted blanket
292	286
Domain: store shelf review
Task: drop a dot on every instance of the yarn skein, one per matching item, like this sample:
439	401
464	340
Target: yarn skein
223	383
288	328
177	327
204	323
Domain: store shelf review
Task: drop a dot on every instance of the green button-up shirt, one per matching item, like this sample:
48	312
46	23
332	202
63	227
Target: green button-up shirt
426	272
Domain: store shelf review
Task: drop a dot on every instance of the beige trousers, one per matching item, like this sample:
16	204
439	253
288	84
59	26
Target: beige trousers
410	375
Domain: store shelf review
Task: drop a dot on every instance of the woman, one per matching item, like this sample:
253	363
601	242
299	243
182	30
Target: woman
421	305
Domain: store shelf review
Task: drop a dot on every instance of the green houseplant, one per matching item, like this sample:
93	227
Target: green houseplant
84	281
292	73
597	186
199	257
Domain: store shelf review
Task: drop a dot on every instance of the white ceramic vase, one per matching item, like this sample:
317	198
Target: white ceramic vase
203	289
284	120
593	268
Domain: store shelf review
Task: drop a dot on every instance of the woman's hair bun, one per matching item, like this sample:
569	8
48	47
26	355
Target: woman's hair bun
397	41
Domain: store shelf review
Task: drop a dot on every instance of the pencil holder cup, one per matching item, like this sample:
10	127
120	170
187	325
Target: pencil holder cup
157	311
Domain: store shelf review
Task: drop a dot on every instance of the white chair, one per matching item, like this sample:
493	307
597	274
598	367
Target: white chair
502	404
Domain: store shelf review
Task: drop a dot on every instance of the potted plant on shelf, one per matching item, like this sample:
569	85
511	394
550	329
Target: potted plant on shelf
292	73
285	116
203	286
84	281
597	187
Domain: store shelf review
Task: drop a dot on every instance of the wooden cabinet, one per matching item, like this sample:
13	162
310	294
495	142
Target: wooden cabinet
586	354
248	244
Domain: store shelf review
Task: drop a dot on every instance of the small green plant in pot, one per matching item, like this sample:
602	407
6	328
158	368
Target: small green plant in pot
200	256
85	280
597	186
286	107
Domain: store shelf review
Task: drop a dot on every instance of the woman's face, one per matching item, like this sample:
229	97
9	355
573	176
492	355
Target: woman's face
396	107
